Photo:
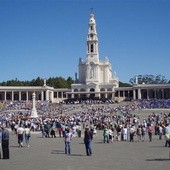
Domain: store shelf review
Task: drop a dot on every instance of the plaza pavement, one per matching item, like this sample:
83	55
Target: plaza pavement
48	154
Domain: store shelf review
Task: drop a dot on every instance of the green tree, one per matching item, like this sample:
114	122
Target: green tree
149	79
121	84
69	81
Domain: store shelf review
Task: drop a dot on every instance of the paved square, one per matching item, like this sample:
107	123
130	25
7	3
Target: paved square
48	153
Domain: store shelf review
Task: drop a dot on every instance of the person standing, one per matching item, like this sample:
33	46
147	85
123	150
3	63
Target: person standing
110	131
167	135
88	137
5	142
0	140
20	132
79	130
105	135
139	133
150	132
68	137
143	133
160	132
118	130
27	135
132	133
125	133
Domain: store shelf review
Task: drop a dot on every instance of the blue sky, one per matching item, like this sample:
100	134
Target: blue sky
46	38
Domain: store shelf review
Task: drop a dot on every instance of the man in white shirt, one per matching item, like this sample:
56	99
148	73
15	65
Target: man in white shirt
20	132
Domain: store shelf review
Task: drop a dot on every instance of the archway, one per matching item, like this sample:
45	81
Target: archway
92	95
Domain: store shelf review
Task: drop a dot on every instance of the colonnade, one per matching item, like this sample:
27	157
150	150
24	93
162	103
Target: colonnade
57	95
143	93
13	95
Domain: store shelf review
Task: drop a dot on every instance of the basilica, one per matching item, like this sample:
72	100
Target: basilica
95	80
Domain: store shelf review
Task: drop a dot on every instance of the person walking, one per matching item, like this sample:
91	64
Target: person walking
167	135
20	132
5	142
27	135
88	137
160	132
68	137
132	133
79	130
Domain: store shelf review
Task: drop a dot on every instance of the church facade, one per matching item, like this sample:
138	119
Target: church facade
95	77
95	80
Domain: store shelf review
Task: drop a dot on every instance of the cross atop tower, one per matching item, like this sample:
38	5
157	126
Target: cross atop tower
91	10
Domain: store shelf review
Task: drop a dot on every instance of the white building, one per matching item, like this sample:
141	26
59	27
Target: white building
96	79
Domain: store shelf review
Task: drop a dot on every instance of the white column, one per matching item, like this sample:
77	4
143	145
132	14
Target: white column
19	95
26	95
47	95
42	96
5	95
123	93
51	96
139	93
134	94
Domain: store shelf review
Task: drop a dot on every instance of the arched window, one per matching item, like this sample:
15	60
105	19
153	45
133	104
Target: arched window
92	95
92	48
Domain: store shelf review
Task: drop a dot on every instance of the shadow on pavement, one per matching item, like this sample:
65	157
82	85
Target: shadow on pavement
57	152
159	159
62	152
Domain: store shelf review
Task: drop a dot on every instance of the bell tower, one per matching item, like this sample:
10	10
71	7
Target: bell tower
92	53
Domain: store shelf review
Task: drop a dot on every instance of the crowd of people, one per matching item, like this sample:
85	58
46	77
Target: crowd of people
116	122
